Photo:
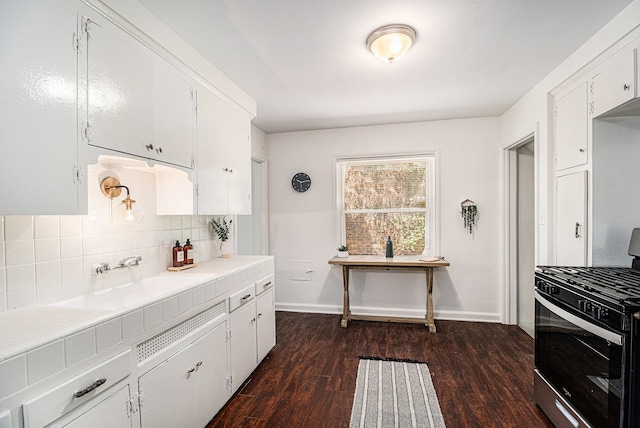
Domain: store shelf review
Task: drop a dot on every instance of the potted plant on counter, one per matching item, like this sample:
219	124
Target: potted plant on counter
343	251
221	228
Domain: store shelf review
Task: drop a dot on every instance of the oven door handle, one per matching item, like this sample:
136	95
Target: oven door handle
579	322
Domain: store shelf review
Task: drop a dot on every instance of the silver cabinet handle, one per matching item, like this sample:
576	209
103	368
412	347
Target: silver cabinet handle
577	230
199	363
267	284
149	147
245	297
191	370
90	388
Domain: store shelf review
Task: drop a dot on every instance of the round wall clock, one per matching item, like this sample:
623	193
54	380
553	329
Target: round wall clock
301	182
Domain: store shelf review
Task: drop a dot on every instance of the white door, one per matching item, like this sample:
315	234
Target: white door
167	394
211	375
266	319
38	89
571	128
571	217
243	344
110	413
120	93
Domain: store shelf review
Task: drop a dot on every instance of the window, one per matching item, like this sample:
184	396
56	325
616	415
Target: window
388	196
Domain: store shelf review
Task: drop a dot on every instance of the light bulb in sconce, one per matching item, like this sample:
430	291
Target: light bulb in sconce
127	212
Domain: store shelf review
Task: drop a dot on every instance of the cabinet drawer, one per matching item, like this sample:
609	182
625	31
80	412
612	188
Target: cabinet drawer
243	296
264	284
41	411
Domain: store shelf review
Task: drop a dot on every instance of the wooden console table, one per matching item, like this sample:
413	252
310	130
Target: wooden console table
398	263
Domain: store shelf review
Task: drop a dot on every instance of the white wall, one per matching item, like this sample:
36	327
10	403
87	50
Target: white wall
303	226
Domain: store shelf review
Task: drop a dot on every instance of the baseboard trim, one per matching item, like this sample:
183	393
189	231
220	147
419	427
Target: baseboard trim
390	312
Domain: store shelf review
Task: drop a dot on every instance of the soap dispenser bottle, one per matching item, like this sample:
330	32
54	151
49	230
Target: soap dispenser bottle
178	255
389	253
188	253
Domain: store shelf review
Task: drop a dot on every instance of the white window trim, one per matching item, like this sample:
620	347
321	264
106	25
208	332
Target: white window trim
434	249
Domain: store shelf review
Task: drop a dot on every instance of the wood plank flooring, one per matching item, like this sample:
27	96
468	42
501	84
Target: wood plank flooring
482	373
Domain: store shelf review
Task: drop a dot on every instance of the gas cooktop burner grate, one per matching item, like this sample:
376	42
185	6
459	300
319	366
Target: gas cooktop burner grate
622	284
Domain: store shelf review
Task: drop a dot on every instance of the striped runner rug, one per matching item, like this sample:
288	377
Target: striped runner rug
394	393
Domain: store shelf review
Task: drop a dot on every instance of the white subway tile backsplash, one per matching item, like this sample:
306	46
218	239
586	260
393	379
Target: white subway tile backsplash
3	291
47	250
21	286
46	226
19	252
132	324
127	241
45	361
70	225
18	227
79	347
108	334
92	245
70	269
2	258
13	373
71	247
48	283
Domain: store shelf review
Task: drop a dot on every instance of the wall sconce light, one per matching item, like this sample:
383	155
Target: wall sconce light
391	42
126	213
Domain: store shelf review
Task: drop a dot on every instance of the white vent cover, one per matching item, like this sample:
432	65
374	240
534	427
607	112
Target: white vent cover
157	343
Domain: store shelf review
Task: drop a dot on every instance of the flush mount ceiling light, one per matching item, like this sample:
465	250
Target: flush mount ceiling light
391	42
126	213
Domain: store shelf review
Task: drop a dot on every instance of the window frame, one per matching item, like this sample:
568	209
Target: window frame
432	228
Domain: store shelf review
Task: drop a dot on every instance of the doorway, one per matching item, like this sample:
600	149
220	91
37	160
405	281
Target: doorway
252	230
522	231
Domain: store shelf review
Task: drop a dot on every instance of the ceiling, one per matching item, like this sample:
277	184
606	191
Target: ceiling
306	64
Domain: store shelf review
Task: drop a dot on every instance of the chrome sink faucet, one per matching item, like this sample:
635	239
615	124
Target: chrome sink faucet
125	263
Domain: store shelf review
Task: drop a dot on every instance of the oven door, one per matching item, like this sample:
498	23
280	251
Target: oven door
581	360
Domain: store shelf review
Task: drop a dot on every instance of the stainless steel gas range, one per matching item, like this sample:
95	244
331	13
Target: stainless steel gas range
587	340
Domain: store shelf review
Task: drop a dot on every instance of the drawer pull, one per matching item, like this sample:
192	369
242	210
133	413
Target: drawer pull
267	284
626	87
149	147
90	388
248	296
191	370
199	363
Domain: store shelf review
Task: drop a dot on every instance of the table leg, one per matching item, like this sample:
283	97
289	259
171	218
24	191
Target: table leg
346	310
430	321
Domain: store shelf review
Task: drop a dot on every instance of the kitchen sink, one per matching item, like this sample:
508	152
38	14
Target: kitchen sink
136	293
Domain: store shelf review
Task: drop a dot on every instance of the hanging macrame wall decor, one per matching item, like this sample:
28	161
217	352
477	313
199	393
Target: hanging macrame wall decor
469	212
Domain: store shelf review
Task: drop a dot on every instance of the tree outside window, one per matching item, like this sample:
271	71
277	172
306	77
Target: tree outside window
390	196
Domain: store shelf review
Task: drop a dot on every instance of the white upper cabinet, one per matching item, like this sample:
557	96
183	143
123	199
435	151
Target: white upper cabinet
616	83
224	157
571	127
38	86
137	103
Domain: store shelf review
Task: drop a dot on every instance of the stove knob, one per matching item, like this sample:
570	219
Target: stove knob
554	289
584	305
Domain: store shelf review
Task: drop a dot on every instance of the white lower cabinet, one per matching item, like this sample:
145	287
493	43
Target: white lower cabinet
243	343
110	413
266	323
189	388
571	219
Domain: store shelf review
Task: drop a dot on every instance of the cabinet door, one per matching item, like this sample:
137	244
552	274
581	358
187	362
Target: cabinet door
167	394
239	160
243	344
266	319
211	392
616	84
571	217
212	147
137	103
173	116
120	92
571	124
38	86
110	413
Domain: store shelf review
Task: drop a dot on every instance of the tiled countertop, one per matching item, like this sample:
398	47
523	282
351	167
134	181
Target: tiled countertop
27	328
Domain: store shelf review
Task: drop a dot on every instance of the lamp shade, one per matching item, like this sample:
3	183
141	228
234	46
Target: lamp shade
128	213
391	42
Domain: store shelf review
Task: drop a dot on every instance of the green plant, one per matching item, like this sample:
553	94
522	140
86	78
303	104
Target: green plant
221	227
343	248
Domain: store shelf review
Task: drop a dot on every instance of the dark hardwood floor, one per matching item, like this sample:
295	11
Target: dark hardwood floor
482	372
